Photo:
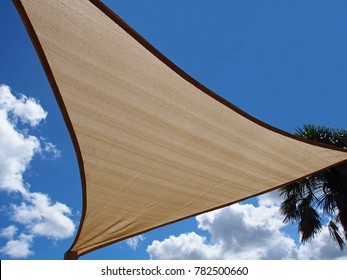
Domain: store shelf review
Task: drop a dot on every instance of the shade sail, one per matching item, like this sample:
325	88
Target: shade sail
154	146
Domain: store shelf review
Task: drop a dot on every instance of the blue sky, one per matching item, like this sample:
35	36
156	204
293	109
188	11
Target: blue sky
284	62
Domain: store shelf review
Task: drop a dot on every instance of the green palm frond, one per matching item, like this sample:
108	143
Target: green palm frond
325	191
310	222
336	235
323	134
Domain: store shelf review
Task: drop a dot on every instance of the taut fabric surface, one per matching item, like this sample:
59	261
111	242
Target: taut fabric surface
154	146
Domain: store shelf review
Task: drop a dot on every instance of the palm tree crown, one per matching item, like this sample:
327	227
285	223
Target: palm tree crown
324	192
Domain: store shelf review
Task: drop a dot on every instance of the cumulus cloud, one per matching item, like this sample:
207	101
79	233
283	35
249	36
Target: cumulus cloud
186	246
24	109
17	148
36	212
134	242
322	248
8	232
244	231
18	248
44	218
16	154
270	199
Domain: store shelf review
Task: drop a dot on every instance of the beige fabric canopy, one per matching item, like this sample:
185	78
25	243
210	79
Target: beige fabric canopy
154	146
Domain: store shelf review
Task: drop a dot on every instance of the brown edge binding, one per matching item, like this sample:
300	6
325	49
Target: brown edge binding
39	50
115	18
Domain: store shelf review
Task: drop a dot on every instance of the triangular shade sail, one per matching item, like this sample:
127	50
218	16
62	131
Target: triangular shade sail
154	146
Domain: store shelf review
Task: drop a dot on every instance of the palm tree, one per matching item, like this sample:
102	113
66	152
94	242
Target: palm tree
324	192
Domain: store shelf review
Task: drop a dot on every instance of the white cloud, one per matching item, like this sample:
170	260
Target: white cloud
43	218
48	150
244	231
187	246
17	148
241	231
19	248
17	151
24	109
270	199
8	232
40	216
322	247
134	242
